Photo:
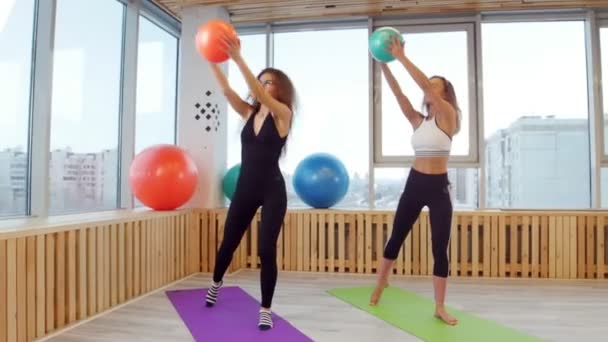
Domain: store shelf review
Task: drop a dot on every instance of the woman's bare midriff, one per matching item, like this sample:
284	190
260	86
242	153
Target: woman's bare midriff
431	165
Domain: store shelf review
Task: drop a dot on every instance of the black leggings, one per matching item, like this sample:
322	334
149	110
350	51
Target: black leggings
424	190
248	197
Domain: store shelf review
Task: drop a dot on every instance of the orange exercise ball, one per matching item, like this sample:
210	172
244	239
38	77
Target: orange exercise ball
208	40
163	177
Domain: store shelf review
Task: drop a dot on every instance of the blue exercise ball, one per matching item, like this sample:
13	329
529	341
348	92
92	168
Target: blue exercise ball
378	42
321	180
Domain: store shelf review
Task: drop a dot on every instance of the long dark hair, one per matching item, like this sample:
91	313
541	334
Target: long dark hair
286	94
450	97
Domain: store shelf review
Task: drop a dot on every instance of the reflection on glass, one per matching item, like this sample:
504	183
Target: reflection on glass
536	115
16	38
85	106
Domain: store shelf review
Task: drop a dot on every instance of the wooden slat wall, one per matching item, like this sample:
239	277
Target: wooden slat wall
50	280
245	11
209	228
483	244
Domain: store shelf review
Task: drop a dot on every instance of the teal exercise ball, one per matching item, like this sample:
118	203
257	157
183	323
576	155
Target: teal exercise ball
378	43
230	179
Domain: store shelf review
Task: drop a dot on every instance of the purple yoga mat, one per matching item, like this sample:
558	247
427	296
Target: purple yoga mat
233	318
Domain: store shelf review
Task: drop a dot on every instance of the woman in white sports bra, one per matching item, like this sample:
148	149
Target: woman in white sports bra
427	183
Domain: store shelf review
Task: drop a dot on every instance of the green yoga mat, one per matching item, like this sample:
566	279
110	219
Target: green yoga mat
414	314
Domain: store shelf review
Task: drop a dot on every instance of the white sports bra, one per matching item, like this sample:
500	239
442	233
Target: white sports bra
429	140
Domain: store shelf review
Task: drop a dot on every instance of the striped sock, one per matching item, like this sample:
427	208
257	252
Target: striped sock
265	322
212	293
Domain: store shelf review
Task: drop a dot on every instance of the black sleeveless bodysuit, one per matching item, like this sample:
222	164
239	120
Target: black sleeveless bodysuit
260	153
260	183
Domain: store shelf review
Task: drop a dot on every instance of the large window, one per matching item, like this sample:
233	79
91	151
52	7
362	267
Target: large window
442	51
389	184
16	33
85	105
536	115
156	86
253	50
329	69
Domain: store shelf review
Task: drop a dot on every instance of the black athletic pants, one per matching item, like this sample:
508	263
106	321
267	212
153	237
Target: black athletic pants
422	190
250	194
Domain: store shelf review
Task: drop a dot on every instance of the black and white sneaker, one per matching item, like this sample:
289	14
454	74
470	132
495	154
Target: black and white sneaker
212	294
265	322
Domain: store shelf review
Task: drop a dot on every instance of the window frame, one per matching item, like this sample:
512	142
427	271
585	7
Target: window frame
173	27
134	11
158	16
127	199
167	29
255	30
600	84
599	22
466	161
38	192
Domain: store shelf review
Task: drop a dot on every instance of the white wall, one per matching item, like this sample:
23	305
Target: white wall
197	86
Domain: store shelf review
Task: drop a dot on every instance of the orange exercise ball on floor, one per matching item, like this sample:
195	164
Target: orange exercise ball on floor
163	177
208	40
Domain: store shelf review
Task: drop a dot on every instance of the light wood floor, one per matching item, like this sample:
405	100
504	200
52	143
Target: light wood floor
551	310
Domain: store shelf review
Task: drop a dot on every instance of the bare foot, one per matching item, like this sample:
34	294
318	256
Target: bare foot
445	316
378	292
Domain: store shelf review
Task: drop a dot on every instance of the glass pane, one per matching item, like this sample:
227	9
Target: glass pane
253	49
85	108
604	64
389	184
156	86
428	52
536	115
333	98
604	187
16	33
